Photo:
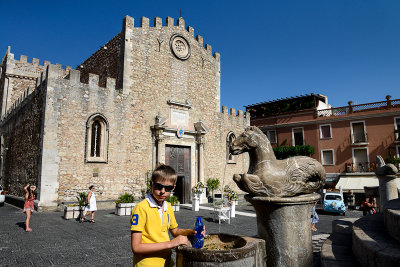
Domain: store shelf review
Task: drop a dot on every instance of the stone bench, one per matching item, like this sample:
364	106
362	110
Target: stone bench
392	218
371	245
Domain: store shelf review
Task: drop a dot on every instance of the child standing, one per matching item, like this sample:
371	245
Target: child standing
152	218
314	217
28	205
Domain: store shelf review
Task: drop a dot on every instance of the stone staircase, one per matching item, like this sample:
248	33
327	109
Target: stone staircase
373	240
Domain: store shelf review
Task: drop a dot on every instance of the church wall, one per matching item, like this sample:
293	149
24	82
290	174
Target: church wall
105	62
217	165
21	142
73	103
18	75
153	76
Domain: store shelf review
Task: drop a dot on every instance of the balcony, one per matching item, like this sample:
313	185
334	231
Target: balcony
359	139
350	109
360	167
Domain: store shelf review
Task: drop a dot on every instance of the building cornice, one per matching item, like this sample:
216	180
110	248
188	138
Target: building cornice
330	120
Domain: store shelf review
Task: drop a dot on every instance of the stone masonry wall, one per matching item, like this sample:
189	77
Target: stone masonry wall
19	75
154	76
73	104
21	131
105	62
216	148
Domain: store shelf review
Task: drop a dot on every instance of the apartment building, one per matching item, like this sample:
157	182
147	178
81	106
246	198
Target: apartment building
346	139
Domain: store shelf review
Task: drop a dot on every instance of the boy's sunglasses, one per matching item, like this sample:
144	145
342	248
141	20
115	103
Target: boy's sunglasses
158	186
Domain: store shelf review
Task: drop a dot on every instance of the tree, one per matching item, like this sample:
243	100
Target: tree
212	183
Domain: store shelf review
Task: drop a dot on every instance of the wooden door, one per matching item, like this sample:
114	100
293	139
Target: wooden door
178	157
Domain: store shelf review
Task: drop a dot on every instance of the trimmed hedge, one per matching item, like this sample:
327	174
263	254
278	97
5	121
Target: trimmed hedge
283	152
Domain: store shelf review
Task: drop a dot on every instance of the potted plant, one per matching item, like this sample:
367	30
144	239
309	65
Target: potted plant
174	202
71	211
212	184
196	194
124	204
74	211
231	197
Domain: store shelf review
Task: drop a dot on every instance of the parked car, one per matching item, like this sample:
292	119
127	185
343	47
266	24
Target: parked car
333	202
2	196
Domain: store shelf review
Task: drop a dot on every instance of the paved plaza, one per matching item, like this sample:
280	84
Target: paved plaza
59	242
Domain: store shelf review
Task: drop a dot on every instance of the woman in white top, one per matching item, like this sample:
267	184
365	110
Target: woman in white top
91	205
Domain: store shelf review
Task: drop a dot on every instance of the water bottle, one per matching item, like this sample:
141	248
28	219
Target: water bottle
198	239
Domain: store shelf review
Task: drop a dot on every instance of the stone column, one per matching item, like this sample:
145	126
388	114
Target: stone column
200	142
160	150
285	225
154	152
387	190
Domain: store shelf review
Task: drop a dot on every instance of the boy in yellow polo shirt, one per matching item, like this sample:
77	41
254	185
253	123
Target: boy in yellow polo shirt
152	218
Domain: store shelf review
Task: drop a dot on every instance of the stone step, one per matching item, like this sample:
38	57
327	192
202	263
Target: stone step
336	250
371	245
392	218
344	224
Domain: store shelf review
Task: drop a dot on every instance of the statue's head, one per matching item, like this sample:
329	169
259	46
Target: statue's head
245	142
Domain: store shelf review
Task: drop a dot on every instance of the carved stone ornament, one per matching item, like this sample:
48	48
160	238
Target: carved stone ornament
180	47
180	132
270	177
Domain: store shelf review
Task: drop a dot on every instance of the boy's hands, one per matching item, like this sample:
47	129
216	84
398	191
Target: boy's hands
202	232
180	240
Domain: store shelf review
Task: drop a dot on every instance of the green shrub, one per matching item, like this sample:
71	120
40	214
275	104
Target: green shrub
126	198
82	198
283	152
173	200
392	159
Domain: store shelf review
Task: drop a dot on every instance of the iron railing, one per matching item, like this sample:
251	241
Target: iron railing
360	167
388	104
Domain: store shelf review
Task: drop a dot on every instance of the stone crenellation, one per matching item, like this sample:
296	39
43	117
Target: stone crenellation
232	111
73	77
170	22
32	66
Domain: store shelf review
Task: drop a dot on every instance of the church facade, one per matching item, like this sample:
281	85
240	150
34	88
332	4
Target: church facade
150	95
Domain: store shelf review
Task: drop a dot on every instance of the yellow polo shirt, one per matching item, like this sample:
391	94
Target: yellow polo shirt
146	218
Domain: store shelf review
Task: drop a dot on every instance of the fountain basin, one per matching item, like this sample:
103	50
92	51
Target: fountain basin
223	250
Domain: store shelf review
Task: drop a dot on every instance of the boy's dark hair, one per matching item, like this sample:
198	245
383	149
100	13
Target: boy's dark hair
164	173
90	187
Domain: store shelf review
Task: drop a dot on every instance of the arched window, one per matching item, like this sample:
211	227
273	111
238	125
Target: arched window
229	139
96	139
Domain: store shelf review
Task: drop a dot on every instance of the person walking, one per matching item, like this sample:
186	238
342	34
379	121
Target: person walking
28	205
91	205
314	217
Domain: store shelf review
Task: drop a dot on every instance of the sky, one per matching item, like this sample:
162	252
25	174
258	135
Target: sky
270	49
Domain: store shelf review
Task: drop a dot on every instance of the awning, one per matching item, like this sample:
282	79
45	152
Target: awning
357	183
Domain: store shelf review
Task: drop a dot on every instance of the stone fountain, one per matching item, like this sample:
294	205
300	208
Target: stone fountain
282	193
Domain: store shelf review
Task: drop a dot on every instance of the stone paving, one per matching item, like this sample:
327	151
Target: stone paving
58	242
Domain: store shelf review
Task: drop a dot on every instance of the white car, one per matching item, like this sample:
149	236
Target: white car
2	196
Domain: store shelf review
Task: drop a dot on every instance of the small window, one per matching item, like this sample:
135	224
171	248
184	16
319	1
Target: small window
327	157
96	139
358	132
229	140
272	136
325	131
397	129
298	136
333	197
